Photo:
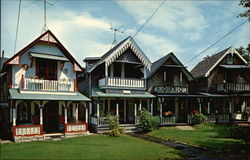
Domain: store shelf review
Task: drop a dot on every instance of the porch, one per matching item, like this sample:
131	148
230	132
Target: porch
233	87
122	82
32	119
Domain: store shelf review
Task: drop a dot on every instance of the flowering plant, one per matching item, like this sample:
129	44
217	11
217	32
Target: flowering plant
168	113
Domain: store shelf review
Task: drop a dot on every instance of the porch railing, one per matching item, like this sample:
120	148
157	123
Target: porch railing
27	130
52	85
75	127
235	87
171	89
168	120
214	119
122	82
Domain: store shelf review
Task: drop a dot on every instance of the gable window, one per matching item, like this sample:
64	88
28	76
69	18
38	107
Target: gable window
46	69
230	59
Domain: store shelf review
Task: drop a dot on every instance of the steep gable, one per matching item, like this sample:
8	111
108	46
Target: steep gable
203	68
120	49
47	37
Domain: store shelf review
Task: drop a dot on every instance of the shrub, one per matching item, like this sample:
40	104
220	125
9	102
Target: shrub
198	118
147	122
240	132
115	129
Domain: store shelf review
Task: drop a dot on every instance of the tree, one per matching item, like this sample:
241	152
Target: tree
245	4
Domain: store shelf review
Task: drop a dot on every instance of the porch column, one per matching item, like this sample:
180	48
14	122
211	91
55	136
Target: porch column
140	105
117	109
86	114
122	70
11	115
14	116
41	116
65	115
199	101
125	107
97	112
77	113
90	108
176	108
108	105
135	112
161	109
230	106
208	107
151	109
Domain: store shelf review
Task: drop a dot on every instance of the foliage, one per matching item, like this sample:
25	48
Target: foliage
115	129
240	132
198	118
245	4
207	135
90	147
147	122
245	52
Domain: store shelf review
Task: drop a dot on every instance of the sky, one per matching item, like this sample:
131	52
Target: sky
185	28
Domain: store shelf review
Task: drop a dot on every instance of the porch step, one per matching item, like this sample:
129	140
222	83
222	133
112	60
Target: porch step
54	136
128	128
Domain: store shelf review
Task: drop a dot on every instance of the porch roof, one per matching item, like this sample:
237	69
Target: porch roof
96	92
41	95
182	95
48	56
235	66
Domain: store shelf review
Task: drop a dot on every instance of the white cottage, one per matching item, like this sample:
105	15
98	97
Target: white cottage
43	96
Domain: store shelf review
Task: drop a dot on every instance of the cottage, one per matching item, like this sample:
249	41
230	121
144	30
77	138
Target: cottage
169	81
224	79
41	91
116	83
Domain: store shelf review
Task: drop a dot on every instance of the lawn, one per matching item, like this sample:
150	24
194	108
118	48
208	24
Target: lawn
211	136
89	147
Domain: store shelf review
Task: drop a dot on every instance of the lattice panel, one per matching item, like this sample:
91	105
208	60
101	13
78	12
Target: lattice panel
48	38
15	60
27	131
75	128
76	67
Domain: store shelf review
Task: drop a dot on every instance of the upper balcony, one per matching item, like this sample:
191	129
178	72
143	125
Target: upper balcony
47	85
122	82
170	89
233	87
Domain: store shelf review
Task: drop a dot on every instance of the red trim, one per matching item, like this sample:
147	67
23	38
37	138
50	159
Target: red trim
22	82
82	123
58	44
13	129
10	85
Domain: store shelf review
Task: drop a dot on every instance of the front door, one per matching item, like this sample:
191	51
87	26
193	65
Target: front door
50	121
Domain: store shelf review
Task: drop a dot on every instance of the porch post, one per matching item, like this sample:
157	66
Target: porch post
65	115
208	107
108	105
86	114
90	108
41	115
14	116
11	114
151	109
199	101
97	111
230	106
77	113
135	112
140	105
117	109
161	109
125	103
176	108
122	70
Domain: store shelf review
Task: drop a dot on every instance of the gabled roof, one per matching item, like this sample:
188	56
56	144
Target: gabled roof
203	68
48	37
157	64
110	56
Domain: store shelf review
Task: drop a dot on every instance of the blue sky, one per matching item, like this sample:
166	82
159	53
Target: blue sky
183	27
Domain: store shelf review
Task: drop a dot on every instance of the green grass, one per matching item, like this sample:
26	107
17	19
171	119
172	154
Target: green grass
89	147
211	136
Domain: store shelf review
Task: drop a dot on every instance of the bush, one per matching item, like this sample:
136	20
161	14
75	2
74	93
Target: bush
240	132
198	118
115	129
147	122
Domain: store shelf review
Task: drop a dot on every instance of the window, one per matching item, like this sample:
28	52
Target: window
230	58
46	69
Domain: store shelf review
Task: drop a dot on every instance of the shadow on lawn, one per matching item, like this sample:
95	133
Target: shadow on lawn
221	140
60	142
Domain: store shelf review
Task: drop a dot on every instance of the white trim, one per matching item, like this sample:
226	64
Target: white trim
52	93
230	50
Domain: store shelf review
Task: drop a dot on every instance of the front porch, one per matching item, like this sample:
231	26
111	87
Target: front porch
31	120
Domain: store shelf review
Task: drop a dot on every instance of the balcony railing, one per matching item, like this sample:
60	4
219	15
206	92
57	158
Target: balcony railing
233	87
51	85
122	82
171	89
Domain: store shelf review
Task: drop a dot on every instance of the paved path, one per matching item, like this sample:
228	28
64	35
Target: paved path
193	152
185	127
